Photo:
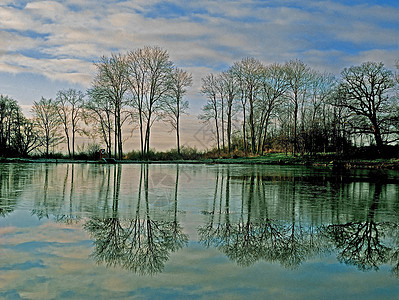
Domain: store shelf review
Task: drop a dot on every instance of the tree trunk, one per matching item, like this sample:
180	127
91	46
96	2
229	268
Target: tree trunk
294	146
244	133
120	136
217	133
265	132
252	126
115	135
178	129
229	125
222	112
69	147
147	135
377	136
73	141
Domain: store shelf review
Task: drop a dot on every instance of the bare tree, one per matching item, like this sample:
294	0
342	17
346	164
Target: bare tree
222	99
98	113
298	80
149	71
25	138
48	122
229	83
112	75
69	107
211	109
248	72
320	91
274	86
174	105
366	91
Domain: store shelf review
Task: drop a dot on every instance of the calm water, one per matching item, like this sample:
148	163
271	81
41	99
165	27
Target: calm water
79	231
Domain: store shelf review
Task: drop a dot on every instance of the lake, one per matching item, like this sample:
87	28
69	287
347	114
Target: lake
164	231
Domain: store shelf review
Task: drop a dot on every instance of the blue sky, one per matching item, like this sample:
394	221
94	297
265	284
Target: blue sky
46	46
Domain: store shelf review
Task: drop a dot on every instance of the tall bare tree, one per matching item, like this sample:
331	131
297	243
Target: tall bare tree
48	122
69	107
149	70
222	99
98	112
298	76
229	83
320	91
273	87
174	103
248	72
211	109
112	75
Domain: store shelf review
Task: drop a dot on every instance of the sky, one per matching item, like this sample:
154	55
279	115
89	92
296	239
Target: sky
47	46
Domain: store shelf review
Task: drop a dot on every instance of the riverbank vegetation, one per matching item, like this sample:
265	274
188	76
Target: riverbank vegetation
253	109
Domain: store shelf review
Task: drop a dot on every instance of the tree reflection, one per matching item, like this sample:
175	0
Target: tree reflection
69	216
287	217
108	233
254	235
55	200
362	243
13	179
141	244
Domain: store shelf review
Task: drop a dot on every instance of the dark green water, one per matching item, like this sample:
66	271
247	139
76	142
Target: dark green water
74	231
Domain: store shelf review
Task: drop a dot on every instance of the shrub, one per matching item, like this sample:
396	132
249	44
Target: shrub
186	153
89	152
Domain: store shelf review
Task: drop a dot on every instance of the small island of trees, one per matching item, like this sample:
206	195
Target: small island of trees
254	108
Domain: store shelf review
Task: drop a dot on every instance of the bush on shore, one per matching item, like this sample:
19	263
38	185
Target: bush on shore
186	153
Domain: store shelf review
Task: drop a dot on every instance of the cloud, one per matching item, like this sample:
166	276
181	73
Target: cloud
11	18
70	70
47	10
61	40
378	55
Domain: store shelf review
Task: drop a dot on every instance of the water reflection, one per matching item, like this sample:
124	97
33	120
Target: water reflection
250	214
254	235
358	235
367	244
141	244
14	178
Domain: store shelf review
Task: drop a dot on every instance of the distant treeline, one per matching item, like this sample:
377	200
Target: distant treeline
292	108
253	107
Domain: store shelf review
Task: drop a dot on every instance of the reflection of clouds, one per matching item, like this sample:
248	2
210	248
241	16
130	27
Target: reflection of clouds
191	271
7	230
47	233
51	260
53	257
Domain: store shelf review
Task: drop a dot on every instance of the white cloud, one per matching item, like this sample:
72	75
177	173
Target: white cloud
69	70
60	40
378	55
11	18
47	10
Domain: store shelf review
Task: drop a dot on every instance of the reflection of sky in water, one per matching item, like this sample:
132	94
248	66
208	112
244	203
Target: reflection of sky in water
42	259
21	218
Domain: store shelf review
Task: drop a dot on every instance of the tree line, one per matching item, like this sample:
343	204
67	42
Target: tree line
131	90
253	107
291	107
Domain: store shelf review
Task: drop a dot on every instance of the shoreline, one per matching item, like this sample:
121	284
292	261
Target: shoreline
389	164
